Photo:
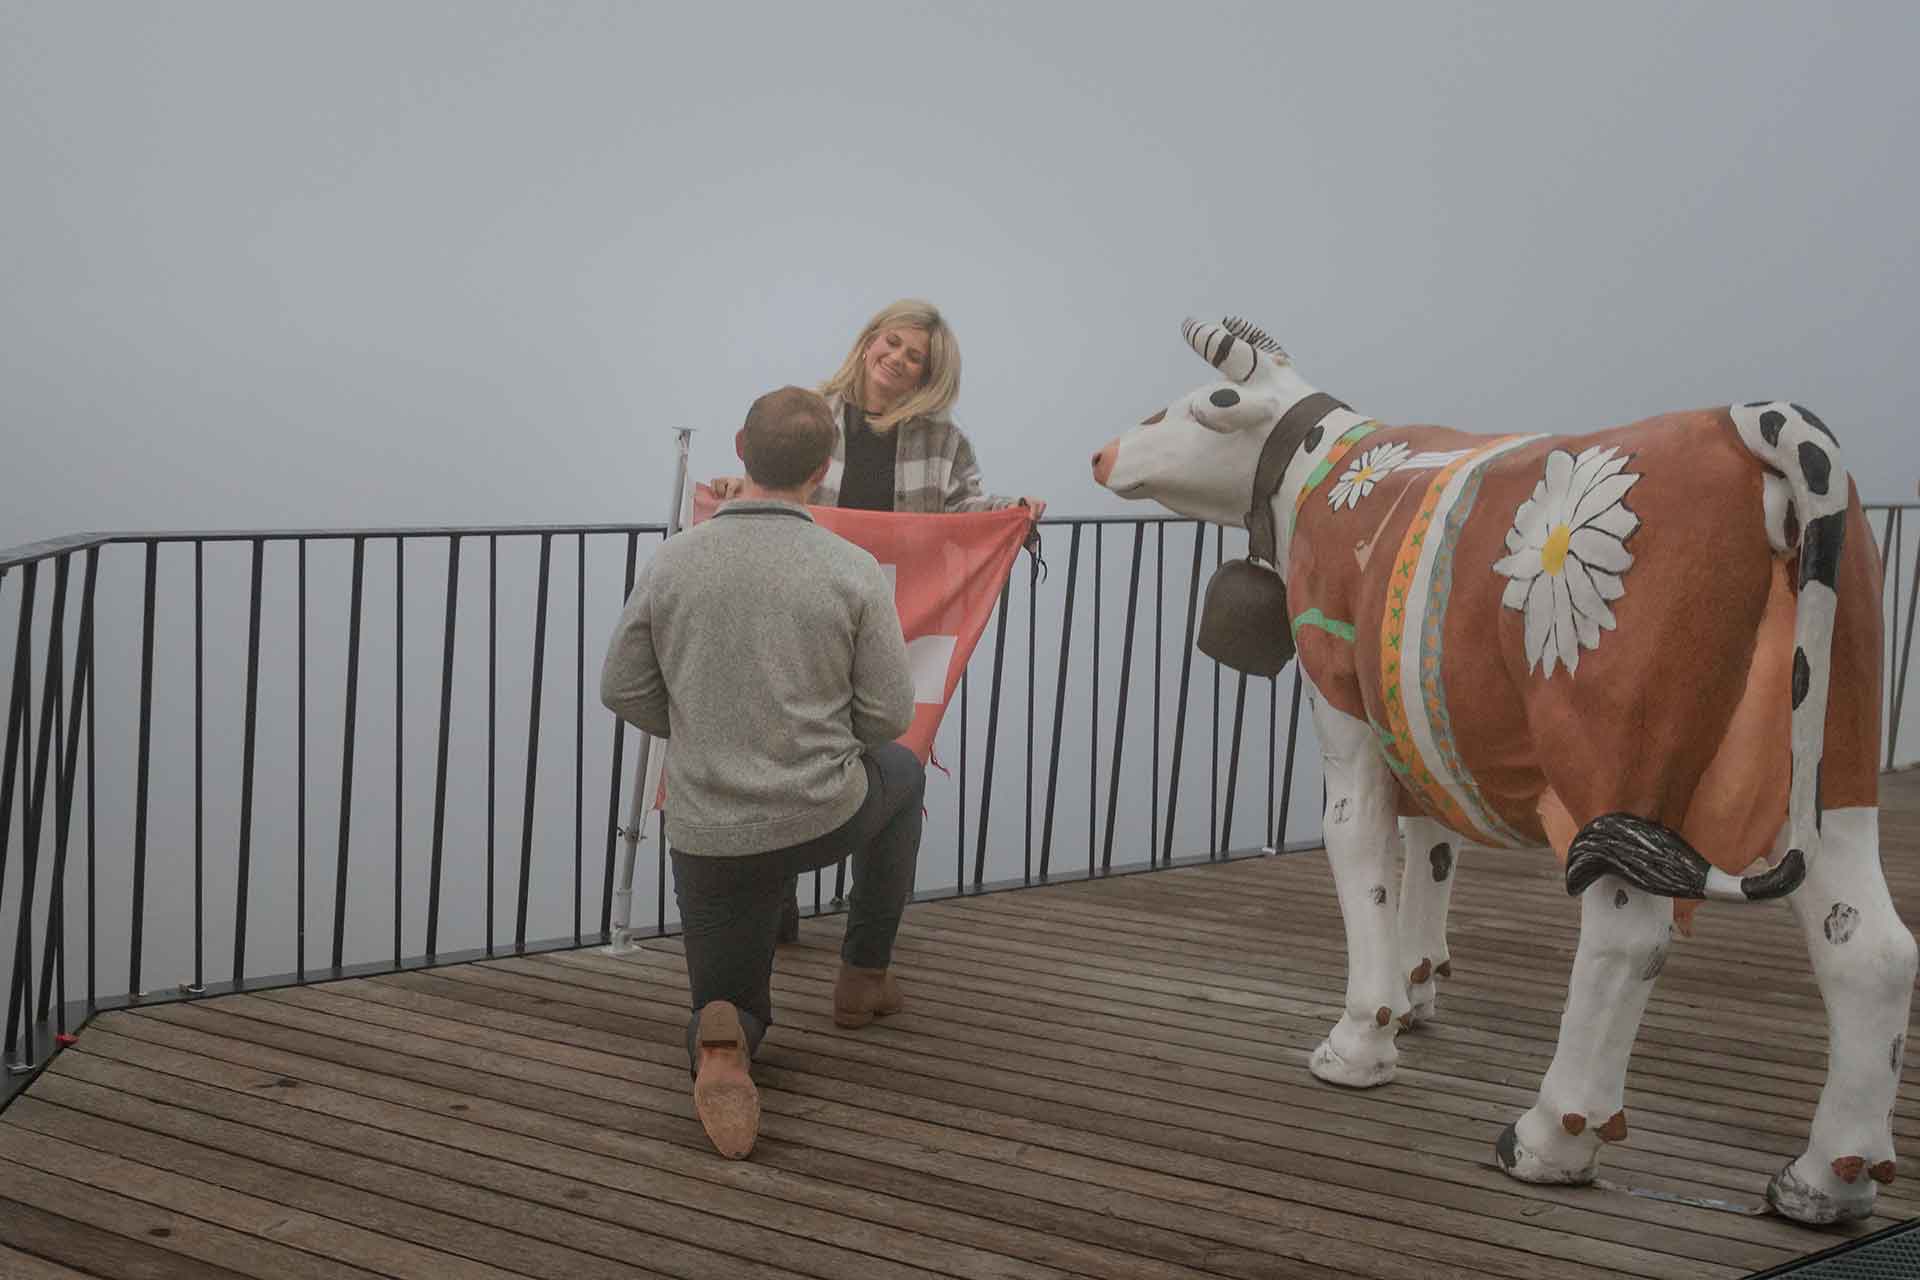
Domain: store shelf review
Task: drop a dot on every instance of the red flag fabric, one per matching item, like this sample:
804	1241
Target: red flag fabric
947	572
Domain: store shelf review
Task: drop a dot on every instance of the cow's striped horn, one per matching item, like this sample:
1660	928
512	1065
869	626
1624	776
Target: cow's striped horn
1248	332
1232	355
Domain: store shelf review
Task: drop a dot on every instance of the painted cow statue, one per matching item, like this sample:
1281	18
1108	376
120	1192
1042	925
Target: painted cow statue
1654	648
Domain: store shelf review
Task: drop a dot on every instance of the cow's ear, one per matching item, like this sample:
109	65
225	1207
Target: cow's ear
1228	409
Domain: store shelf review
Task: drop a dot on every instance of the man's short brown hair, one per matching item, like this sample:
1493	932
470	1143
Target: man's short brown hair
787	435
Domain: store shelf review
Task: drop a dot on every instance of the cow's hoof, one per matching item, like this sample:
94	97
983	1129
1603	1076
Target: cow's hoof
1563	1160
1328	1064
1820	1200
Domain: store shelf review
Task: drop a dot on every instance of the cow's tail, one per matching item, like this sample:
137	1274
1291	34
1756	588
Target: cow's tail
1805	494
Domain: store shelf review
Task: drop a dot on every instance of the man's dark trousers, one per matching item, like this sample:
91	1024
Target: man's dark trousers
730	906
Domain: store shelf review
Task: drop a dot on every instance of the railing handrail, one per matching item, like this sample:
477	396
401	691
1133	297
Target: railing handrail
50	548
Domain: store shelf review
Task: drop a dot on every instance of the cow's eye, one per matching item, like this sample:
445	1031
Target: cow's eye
1155	418
1225	398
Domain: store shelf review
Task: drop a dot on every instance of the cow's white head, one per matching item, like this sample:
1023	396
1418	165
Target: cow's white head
1197	456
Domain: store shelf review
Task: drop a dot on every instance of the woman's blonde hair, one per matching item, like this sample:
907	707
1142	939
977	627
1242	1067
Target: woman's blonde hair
942	385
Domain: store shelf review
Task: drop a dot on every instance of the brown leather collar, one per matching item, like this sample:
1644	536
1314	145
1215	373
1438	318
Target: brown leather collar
1281	445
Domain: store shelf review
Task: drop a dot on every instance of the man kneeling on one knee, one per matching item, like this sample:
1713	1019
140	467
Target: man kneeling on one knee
769	651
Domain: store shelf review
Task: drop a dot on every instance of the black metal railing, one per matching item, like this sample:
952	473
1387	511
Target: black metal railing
124	827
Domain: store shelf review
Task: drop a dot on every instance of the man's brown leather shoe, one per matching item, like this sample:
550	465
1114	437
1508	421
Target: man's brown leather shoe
723	1094
859	995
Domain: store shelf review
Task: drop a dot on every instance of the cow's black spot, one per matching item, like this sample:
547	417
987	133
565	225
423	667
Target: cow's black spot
1441	857
1313	439
1226	398
1820	549
1802	676
1815	422
1620	898
1816	466
1378	894
1756	404
1841	922
1770	423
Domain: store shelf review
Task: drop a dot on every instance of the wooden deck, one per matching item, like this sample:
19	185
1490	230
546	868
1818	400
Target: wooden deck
1101	1079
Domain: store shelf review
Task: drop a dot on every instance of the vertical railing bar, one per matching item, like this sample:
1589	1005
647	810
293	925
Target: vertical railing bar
1886	536
1033	637
33	811
1897	531
1906	656
137	928
93	862
1159	629
960	808
300	767
1233	764
199	809
1093	699
533	738
619	759
67	734
1213	788
437	858
250	737
1059	704
1120	710
1180	708
993	731
579	725
1286	783
660	871
399	740
352	710
493	682
17	703
1273	729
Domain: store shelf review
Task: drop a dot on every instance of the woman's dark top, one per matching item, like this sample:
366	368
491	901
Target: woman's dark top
867	482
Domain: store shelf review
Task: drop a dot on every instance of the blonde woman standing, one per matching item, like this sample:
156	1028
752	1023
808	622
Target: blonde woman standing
897	448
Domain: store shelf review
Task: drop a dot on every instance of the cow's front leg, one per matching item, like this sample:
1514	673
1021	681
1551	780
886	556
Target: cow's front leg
1624	936
1426	889
1361	840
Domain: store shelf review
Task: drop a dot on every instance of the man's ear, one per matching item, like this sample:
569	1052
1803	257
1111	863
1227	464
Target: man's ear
740	444
819	474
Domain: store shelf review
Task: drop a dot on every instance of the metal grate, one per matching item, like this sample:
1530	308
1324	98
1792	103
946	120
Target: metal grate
1893	1254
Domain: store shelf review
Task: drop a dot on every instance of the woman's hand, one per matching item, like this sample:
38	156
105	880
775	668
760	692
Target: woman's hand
1037	506
725	487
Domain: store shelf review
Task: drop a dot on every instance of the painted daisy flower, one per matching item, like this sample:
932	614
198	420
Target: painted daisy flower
1566	553
1366	471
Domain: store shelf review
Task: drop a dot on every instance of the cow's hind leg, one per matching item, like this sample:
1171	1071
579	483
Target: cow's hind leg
1360	835
1624	935
1426	888
1863	958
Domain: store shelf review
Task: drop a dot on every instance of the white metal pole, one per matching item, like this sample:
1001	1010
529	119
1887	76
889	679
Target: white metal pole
646	773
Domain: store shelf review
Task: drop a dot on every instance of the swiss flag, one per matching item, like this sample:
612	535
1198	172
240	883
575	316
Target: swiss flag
947	572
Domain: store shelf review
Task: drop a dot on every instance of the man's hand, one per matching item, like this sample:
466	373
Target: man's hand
1036	505
725	487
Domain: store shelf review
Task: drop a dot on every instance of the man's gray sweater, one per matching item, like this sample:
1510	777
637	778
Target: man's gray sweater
768	650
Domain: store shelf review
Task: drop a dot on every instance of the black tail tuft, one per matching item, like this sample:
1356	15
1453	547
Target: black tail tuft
1648	856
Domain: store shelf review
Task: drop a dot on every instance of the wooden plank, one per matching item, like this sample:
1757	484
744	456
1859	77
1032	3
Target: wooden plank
556	1204
583	1149
627	1100
1329	1175
15	1265
317	1235
118	1235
